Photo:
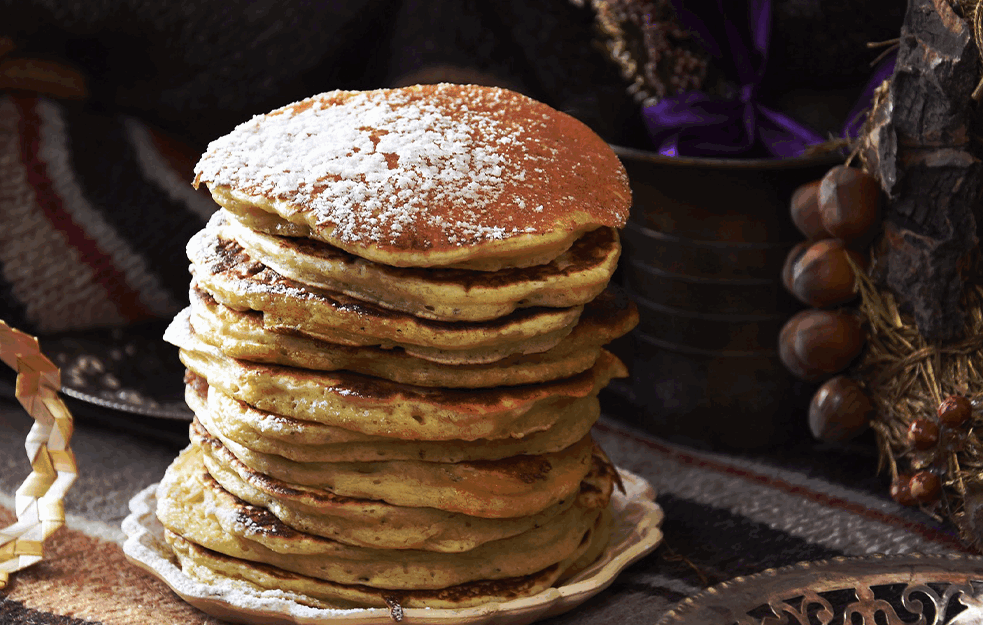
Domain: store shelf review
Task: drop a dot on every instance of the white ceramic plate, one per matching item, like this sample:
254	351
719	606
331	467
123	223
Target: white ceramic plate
636	533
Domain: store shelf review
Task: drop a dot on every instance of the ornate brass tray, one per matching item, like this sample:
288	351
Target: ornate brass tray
881	590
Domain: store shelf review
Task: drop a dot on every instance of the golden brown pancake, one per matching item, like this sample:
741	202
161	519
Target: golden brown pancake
571	279
191	504
221	267
309	441
371	523
510	487
212	567
252	522
432	175
240	334
382	408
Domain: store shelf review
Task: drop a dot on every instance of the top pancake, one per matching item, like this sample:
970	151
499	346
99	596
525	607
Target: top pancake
430	175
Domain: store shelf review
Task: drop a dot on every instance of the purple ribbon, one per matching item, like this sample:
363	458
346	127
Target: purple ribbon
696	124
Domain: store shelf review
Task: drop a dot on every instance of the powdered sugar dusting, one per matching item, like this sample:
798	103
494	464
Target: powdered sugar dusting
411	168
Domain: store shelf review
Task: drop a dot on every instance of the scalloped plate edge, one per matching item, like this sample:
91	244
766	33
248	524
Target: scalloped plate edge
636	533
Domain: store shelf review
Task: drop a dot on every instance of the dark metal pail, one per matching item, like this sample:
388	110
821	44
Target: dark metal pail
703	255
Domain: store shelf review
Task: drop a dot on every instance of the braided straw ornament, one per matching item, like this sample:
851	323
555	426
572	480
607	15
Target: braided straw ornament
38	501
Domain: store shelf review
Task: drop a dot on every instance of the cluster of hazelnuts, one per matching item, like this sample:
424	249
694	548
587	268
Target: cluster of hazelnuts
839	215
930	436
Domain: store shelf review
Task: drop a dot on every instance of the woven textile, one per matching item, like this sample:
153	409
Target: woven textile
725	516
95	211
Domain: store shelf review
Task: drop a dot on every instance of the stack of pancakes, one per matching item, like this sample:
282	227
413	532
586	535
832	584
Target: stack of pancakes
394	351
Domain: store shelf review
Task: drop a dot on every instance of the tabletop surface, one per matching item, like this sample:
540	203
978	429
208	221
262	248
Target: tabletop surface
728	514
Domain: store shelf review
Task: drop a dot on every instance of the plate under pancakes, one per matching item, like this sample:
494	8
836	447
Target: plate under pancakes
225	271
432	175
241	335
571	279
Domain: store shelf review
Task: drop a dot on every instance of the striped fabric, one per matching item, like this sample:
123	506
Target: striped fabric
726	515
731	514
95	211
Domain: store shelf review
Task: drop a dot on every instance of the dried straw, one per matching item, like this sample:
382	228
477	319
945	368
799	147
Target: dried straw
907	378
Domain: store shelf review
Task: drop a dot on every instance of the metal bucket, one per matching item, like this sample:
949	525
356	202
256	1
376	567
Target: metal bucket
703	255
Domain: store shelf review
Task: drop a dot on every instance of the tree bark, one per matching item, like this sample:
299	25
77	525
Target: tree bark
919	144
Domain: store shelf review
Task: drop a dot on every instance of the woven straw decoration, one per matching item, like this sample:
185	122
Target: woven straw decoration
38	501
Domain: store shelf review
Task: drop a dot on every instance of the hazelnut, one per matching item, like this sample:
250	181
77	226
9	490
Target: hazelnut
804	209
839	410
816	344
788	269
850	204
822	276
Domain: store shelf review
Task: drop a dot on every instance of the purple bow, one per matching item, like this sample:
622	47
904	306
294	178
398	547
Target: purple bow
696	124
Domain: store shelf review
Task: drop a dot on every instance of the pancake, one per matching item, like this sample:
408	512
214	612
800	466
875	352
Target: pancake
433	175
382	408
211	567
308	441
510	487
395	348
197	508
240	334
573	278
221	267
371	523
254	523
